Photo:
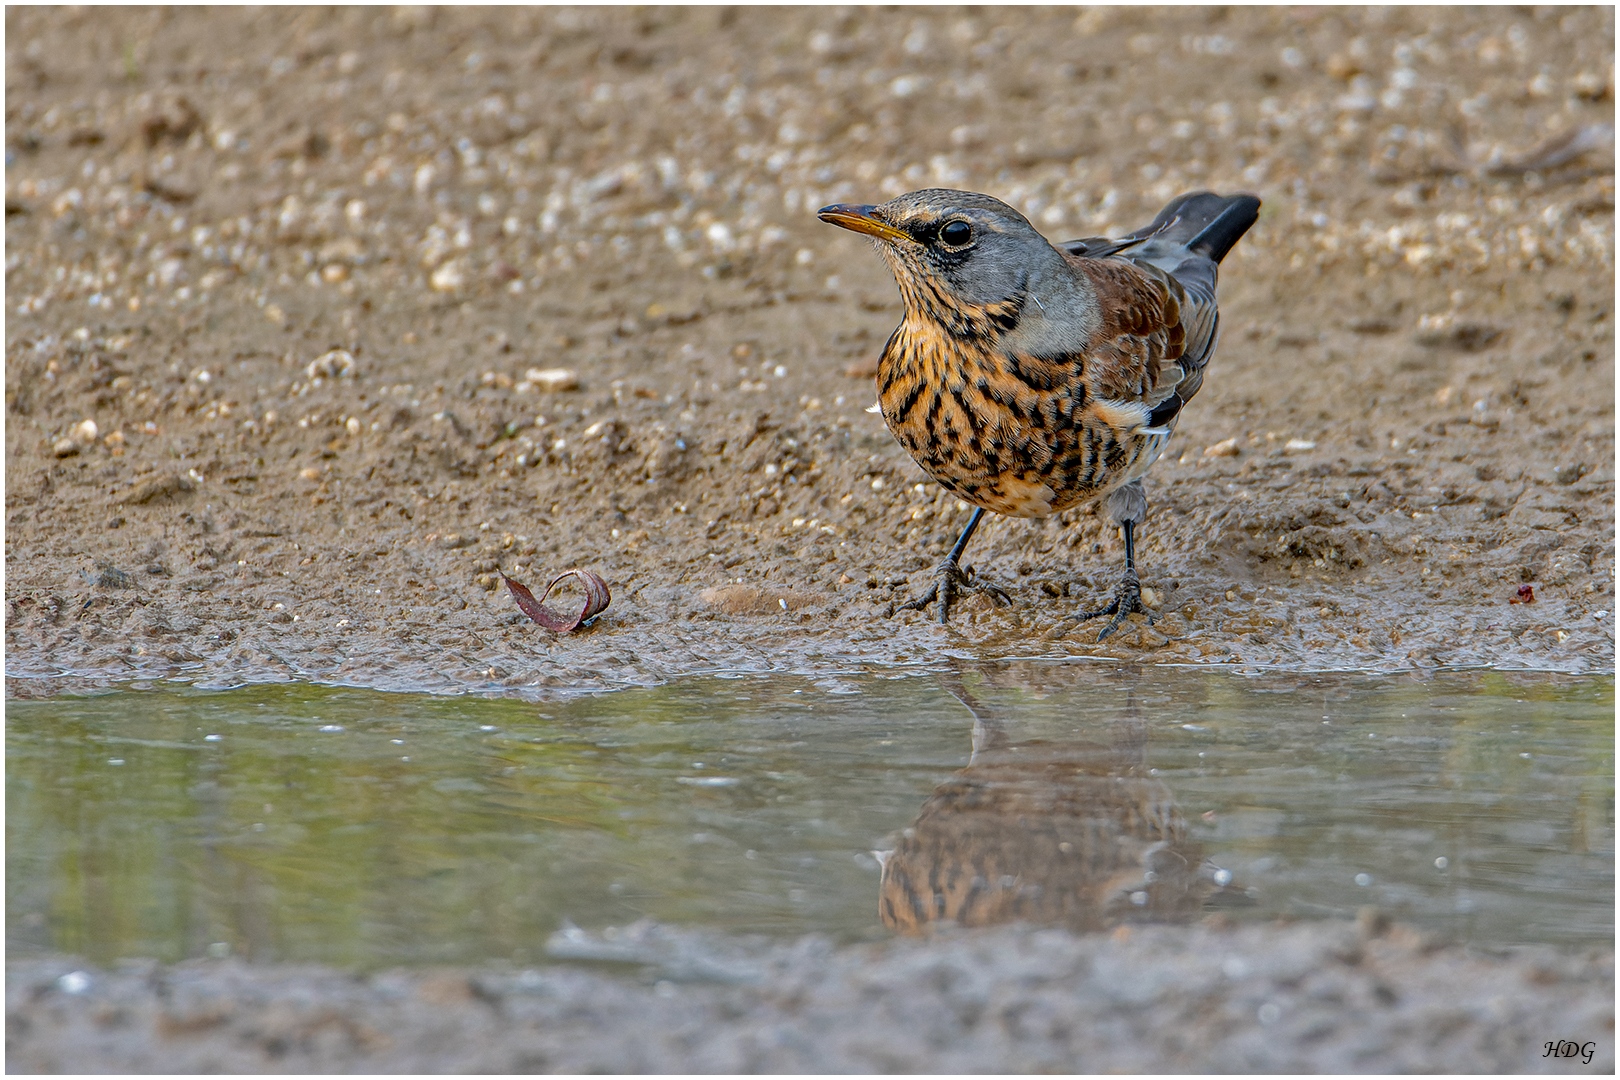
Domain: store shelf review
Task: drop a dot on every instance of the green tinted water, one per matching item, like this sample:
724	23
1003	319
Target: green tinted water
358	828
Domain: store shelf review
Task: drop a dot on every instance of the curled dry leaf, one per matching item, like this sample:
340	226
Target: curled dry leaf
597	599
1527	595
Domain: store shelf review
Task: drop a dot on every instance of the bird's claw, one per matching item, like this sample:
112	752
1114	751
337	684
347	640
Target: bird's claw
949	584
1127	598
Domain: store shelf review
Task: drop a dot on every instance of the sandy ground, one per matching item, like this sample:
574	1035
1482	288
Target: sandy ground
275	280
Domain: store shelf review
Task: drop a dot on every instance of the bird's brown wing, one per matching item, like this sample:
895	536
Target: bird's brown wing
1133	355
1157	333
1200	325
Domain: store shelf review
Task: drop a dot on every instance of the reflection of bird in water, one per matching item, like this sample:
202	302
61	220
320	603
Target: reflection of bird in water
1076	834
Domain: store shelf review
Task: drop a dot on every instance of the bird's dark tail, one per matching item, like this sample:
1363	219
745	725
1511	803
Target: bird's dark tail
1217	238
1204	222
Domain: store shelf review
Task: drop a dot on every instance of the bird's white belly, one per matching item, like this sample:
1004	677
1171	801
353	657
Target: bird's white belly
1017	497
1146	459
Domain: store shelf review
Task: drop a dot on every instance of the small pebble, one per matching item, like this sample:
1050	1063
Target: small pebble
334	364
553	380
74	982
447	278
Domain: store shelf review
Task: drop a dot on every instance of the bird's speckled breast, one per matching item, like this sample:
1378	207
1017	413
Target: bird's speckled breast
1012	434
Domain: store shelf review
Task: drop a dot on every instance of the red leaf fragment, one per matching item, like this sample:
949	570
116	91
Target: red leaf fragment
1527	595
597	599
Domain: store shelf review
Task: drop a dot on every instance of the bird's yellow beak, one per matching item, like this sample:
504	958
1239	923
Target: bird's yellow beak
861	219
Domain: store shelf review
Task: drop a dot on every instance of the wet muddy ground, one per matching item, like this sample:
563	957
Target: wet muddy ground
276	281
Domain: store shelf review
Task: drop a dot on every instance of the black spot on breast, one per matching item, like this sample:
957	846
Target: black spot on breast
909	401
972	417
1034	414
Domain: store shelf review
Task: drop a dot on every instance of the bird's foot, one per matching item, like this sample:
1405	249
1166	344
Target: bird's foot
1127	598
949	584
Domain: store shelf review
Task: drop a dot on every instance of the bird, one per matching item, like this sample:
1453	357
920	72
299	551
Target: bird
1027	377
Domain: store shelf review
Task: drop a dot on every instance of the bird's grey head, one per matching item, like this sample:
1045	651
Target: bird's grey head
979	250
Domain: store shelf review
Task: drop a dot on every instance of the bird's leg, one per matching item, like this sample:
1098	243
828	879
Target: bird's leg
950	582
1127	594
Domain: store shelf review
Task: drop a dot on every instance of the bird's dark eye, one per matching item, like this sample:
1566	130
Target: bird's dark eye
956	233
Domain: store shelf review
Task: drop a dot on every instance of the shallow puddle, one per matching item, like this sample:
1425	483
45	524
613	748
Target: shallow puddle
350	827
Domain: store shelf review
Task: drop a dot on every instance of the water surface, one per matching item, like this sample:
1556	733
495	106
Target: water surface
293	822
